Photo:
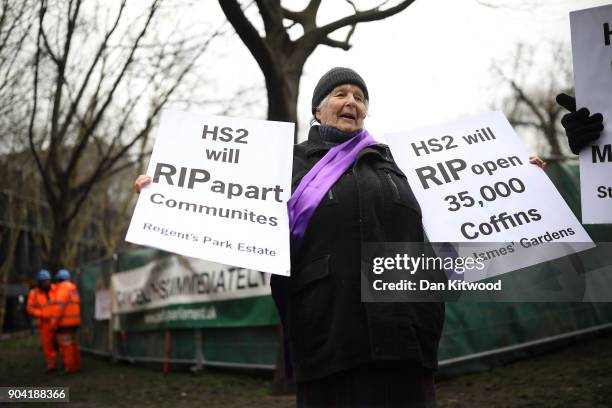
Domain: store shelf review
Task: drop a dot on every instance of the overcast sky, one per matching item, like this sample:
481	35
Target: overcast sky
429	64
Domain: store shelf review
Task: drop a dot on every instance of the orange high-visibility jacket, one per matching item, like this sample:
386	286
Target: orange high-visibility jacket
40	304
66	311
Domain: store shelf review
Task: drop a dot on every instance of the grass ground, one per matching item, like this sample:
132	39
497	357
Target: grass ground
579	375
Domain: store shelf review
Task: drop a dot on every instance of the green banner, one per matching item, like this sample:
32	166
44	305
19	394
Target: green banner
256	311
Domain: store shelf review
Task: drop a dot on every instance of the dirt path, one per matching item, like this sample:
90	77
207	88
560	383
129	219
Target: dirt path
577	376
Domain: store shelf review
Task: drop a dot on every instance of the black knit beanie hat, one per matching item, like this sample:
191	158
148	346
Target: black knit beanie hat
333	78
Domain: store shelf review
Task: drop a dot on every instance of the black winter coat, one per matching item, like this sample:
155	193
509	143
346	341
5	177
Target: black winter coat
327	327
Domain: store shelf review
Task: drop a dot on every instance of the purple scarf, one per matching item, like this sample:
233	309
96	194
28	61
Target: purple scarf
317	182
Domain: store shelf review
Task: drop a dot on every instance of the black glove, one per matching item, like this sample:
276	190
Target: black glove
580	126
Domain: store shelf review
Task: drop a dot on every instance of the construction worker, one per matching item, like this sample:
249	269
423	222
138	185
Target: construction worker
65	320
40	306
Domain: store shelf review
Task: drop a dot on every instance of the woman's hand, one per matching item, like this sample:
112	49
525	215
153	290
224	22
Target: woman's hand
141	182
537	161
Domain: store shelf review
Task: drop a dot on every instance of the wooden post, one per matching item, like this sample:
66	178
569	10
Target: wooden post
111	318
167	353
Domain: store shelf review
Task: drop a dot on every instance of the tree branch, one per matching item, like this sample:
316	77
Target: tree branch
58	92
319	35
372	14
345	45
295	16
94	63
249	35
527	100
49	49
105	164
86	134
31	134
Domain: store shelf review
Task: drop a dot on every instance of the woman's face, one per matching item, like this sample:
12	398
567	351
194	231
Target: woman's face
345	108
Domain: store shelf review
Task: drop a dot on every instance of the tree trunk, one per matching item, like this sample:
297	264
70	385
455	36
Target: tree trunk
59	238
9	237
553	141
281	385
12	236
282	106
283	94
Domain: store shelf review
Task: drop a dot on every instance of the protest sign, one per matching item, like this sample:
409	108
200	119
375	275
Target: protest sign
219	192
474	183
592	57
102	304
176	291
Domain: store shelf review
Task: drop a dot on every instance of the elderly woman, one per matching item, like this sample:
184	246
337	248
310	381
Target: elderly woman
348	190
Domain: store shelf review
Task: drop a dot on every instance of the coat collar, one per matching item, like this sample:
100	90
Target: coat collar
315	144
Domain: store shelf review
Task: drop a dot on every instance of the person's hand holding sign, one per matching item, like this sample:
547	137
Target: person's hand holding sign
141	182
580	126
537	161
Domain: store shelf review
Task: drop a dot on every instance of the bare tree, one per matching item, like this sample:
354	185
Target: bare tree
101	73
25	219
110	208
530	103
282	59
21	209
16	19
13	214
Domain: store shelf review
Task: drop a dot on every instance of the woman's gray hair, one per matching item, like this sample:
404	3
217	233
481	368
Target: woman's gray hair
313	118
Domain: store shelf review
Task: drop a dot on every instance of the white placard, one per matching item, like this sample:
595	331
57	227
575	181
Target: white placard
179	280
103	305
219	192
592	55
474	183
